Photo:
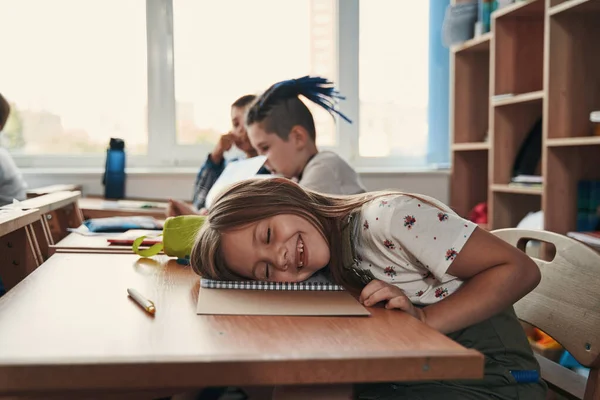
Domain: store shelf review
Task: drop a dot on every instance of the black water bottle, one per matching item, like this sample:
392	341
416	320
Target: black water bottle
114	172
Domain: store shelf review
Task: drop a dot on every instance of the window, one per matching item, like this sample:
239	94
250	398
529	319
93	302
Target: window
254	50
74	73
393	78
162	74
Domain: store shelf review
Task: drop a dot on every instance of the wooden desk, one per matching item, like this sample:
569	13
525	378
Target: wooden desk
102	208
31	193
19	251
71	327
75	242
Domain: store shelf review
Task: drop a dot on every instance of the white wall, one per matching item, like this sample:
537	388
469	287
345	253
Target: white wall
154	184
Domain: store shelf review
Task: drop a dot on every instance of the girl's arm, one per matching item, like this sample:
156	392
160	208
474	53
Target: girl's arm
496	275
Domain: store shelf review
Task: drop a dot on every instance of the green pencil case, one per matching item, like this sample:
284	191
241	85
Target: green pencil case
178	236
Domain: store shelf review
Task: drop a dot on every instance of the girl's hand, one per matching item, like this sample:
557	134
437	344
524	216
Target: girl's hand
377	291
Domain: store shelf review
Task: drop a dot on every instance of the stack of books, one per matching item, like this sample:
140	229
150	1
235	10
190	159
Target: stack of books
587	229
530	181
588	206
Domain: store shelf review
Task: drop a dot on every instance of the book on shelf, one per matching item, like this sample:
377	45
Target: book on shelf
527	179
588	206
592	239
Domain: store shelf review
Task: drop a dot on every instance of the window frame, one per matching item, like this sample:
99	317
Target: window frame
163	150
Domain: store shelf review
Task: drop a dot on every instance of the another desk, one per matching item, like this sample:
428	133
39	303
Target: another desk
75	242
40	191
19	251
102	208
71	327
59	211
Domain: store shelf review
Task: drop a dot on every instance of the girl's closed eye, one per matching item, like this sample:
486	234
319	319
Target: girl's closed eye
264	149
268	235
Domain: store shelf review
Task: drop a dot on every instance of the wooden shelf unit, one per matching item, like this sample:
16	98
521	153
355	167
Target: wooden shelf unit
542	64
470	96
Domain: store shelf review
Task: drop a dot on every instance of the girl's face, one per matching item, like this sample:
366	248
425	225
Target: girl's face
283	248
239	130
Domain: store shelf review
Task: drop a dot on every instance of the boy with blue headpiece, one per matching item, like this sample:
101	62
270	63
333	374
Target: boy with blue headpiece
281	127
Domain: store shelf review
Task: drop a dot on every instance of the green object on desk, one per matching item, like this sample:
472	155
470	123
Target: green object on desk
179	234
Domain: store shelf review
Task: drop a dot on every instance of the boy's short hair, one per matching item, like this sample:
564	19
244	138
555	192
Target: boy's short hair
4	111
283	115
244	101
279	108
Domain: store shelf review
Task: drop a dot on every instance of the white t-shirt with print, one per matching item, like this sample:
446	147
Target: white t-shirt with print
404	241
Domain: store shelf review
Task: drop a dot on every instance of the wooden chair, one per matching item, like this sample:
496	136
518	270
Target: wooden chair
58	211
565	305
19	251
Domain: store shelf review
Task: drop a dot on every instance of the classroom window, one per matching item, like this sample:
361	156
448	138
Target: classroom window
254	49
161	74
393	79
74	73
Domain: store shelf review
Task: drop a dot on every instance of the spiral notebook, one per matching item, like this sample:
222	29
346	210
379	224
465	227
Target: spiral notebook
317	296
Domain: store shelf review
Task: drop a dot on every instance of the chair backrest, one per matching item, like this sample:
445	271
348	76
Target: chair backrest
566	303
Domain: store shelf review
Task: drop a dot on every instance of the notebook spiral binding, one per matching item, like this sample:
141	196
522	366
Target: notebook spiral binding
260	285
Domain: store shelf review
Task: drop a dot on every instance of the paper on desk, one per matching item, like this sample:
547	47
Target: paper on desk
236	171
14	206
84	231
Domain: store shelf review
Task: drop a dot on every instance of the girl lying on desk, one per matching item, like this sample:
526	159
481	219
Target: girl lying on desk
408	251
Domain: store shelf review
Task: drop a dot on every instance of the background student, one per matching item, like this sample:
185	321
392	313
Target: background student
12	185
281	127
215	161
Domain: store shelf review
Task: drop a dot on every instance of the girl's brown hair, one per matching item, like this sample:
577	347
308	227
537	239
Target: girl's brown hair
256	199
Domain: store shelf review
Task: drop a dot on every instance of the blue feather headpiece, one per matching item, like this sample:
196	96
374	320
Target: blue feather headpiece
318	90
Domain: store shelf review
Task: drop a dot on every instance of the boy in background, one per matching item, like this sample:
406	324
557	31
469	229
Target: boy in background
281	127
215	161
